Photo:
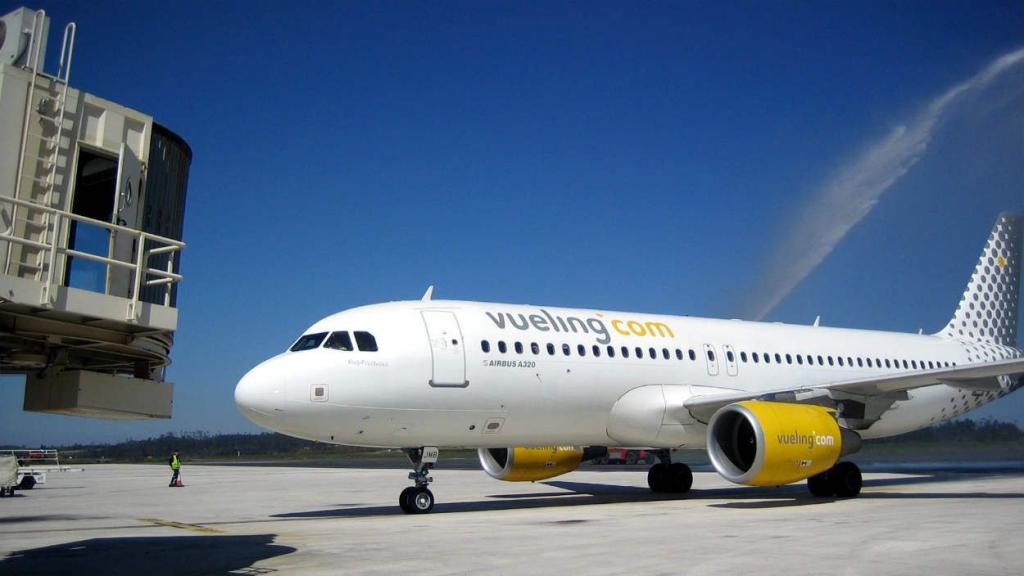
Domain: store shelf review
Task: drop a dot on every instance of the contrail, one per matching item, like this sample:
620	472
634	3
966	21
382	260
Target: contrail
855	189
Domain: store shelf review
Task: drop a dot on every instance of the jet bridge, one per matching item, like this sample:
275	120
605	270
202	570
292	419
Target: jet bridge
92	199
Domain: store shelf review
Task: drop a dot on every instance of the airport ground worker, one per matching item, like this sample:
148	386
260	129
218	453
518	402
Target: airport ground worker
175	464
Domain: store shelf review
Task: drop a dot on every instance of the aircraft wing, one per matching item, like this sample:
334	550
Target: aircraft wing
981	376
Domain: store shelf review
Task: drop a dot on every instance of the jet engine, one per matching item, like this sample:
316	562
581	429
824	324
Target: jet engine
532	464
772	443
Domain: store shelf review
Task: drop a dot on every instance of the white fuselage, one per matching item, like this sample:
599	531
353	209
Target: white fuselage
431	383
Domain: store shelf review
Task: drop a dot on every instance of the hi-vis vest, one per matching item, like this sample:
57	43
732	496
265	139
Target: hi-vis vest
175	463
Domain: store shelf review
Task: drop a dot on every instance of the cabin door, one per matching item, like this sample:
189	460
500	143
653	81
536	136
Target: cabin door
446	348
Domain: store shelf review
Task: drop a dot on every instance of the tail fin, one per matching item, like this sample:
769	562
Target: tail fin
988	309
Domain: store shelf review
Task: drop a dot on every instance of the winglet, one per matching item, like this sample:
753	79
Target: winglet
428	294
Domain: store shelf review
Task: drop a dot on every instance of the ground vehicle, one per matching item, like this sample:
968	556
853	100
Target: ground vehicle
8	474
627	456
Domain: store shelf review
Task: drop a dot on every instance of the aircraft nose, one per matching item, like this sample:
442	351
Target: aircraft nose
254	394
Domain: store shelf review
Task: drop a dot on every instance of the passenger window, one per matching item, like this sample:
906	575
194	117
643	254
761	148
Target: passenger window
534	348
611	351
485	345
869	362
730	356
339	341
679	354
597	351
308	342
551	349
830	362
366	342
799	359
639	352
821	360
625	352
665	354
566	350
767	358
693	355
502	347
652	353
860	362
887	363
913	363
840	360
778	358
905	366
789	359
581	349
519	347
755	357
743	357
711	355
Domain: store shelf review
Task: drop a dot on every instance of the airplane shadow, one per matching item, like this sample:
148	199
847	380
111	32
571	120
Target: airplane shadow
588	494
153	556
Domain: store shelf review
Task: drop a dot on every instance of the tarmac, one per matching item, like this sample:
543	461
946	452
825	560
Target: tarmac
124	519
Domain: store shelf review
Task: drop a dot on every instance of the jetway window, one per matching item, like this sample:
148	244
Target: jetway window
95	186
309	342
366	342
339	341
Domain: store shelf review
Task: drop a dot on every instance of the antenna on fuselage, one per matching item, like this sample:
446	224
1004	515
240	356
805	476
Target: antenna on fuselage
817	320
428	294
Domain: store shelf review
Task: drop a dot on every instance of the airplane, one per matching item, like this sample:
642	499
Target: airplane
537	390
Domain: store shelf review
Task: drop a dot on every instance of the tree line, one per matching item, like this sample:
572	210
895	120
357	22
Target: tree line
204	445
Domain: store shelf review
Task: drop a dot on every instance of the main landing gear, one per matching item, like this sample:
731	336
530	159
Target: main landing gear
669	477
419	499
842	480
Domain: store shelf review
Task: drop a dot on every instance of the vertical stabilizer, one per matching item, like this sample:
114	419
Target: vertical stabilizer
988	309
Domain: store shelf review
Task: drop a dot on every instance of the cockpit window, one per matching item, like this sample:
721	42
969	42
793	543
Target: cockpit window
366	342
308	342
339	341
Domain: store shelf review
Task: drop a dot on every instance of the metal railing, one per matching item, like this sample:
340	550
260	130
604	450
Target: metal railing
146	246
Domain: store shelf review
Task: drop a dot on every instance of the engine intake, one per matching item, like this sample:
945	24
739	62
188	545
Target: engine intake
772	443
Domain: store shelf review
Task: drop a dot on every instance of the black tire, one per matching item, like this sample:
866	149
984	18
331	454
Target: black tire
680	478
846	479
27	483
656	478
422	501
819	486
405	500
630	459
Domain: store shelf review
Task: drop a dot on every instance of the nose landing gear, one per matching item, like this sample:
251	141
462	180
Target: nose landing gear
419	499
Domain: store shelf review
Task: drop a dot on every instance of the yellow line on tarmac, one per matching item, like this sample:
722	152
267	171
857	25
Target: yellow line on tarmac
182	525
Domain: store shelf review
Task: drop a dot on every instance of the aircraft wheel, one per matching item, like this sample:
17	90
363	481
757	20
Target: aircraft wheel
820	486
405	499
27	483
422	501
846	479
680	478
656	478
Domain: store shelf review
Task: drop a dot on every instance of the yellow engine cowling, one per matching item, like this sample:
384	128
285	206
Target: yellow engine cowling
771	443
529	464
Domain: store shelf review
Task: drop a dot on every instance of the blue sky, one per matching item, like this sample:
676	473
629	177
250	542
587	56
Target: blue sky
642	156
